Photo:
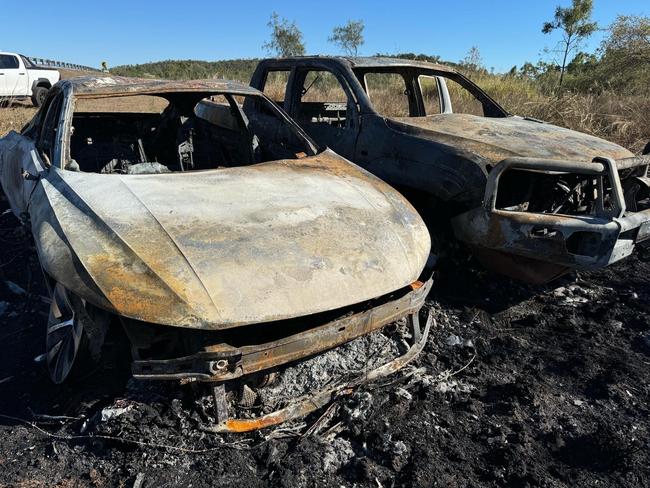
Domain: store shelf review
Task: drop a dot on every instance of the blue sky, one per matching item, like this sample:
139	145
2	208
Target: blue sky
507	32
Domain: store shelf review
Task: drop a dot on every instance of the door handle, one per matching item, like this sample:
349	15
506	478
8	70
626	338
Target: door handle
21	74
28	176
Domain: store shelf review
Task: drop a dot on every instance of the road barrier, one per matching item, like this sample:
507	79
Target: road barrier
49	63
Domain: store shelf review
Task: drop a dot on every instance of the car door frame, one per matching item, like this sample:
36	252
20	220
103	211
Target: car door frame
260	80
352	127
58	143
23	165
22	82
375	149
2	81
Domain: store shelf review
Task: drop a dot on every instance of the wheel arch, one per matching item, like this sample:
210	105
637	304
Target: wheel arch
42	83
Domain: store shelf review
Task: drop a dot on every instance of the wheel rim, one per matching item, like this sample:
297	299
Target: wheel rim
63	335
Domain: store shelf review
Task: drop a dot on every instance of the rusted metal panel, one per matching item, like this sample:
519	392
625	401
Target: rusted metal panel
108	86
235	246
543	238
222	362
498	138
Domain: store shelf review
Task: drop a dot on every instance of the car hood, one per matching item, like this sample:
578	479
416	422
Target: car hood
229	247
499	138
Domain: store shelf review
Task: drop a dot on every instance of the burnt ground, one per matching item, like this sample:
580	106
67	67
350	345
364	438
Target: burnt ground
518	386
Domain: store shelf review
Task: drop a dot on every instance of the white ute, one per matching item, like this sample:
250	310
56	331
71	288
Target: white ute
21	79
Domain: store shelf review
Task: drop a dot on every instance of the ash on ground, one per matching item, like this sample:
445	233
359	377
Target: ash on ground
517	386
334	367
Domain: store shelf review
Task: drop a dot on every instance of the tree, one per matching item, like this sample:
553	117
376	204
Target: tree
528	70
575	24
582	62
629	36
625	63
349	36
286	38
472	60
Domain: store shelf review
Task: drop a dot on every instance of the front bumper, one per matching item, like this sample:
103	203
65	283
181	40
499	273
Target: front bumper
300	407
566	242
221	362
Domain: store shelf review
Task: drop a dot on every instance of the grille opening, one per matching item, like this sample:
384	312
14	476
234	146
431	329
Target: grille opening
583	243
629	235
553	193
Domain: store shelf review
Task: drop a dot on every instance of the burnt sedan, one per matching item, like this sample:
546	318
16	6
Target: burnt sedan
530	199
203	220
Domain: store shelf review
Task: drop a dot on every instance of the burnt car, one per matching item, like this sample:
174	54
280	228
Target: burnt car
203	220
530	199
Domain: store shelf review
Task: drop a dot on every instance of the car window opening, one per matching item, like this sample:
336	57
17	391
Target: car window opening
145	134
403	93
322	100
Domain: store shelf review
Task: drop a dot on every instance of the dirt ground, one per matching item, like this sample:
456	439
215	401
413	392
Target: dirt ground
517	386
15	117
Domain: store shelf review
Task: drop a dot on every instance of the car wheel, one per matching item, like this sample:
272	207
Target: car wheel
66	343
39	94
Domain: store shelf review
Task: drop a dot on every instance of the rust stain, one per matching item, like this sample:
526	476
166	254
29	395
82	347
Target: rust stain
136	295
313	339
248	425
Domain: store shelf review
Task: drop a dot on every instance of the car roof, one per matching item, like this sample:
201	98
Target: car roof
108	85
369	62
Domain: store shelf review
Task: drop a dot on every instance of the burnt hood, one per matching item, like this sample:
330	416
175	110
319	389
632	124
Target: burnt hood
221	248
497	138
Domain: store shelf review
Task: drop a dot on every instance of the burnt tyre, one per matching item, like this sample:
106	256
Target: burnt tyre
39	94
67	345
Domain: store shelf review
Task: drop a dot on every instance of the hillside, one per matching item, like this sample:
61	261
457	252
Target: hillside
235	69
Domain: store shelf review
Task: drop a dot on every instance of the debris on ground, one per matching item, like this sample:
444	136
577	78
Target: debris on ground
538	390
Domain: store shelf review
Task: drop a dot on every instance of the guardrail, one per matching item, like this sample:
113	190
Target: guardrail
49	63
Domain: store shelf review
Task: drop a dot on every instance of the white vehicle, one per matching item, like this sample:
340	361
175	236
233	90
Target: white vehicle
21	79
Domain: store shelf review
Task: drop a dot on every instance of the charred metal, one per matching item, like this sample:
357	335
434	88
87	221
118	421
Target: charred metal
530	199
202	220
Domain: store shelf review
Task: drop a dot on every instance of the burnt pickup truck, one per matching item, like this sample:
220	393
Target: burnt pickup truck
530	199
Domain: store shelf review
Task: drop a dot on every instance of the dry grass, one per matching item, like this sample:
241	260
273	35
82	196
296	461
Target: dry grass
621	119
618	118
140	103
